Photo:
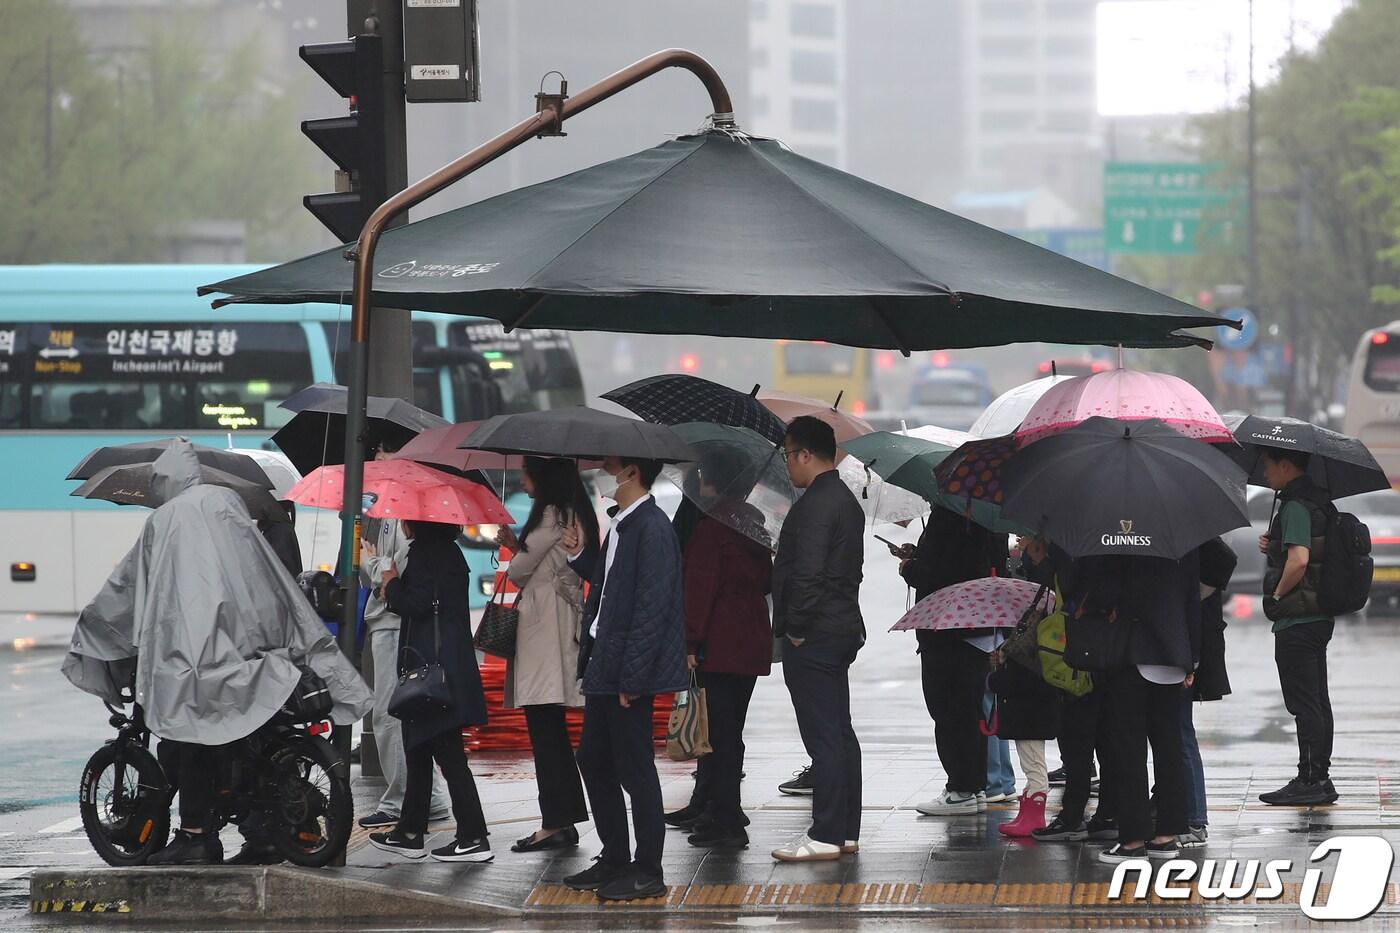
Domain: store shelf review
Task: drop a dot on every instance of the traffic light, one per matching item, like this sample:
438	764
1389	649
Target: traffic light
355	142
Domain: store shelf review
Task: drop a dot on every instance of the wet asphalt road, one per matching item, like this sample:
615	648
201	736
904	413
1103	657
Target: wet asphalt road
1247	741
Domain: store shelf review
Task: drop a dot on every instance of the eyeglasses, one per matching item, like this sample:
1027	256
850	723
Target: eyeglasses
789	454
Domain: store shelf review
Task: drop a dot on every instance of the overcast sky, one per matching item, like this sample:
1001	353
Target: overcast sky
1191	56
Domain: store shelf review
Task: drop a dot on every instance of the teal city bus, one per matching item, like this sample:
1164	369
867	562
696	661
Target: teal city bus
95	355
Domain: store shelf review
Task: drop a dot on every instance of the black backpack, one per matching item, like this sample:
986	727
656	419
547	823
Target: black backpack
1346	563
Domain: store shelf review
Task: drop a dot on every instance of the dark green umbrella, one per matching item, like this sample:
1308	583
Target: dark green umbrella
725	234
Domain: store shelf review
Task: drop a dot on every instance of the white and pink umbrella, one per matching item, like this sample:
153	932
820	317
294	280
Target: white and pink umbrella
1127	395
404	489
991	602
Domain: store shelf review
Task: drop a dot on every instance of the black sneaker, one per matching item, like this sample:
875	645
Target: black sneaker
402	843
595	876
1116	853
1298	793
686	817
1061	831
711	836
469	850
256	853
1330	790
190	849
1101	830
1163	849
632	884
801	784
1057	777
378	820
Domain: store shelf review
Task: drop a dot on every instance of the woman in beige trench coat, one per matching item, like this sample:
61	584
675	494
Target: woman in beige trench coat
542	678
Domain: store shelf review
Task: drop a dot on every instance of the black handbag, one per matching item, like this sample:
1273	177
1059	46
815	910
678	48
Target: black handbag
1097	641
423	690
496	632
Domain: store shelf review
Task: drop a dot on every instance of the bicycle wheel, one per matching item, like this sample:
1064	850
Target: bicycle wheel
311	807
124	800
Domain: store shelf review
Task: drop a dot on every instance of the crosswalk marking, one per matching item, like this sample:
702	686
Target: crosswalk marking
66	826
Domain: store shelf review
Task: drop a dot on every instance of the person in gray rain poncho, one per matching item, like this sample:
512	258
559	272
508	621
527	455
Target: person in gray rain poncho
212	627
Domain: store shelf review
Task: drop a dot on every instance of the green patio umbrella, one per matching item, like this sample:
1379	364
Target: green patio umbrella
910	463
730	235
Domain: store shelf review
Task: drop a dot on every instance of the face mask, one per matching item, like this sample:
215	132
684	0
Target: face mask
608	486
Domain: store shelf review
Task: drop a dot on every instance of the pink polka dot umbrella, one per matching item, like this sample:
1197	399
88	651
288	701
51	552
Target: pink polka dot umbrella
1126	395
991	602
404	489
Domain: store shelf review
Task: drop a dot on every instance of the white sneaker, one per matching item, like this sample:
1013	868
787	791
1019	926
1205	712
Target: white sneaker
807	849
981	801
950	804
1000	798
850	847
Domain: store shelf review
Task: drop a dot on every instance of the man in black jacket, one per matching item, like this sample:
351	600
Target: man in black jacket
816	589
632	647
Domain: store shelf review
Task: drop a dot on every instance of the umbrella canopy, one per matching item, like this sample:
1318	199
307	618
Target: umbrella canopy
737	478
579	432
407	491
911	463
279	469
130	484
881	501
1006	412
724	234
234	463
316	433
1127	395
1132	488
675	398
787	407
987	603
1342	465
443	447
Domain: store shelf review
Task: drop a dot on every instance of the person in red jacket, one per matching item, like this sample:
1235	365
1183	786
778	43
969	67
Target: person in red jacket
729	640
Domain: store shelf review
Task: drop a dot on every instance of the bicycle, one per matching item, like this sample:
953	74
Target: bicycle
284	772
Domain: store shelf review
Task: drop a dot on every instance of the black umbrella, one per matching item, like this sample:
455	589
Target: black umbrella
130	484
725	234
1342	465
676	398
579	432
316	434
1131	488
230	462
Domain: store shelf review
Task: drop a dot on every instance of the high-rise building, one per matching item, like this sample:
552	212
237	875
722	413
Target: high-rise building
1029	80
797	72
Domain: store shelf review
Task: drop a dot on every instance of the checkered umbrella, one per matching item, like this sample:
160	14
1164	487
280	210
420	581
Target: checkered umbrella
675	398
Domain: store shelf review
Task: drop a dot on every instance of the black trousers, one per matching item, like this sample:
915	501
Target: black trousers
955	679
192	770
447	750
1084	731
556	771
1142	714
817	673
1301	655
616	754
727	699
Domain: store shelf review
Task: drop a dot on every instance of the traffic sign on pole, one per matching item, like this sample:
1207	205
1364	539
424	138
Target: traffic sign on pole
1230	339
1171	208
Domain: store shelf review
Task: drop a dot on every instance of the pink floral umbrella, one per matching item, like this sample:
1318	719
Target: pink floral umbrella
1129	396
404	489
991	602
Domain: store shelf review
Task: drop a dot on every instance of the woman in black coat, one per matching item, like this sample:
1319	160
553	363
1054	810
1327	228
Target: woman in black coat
434	584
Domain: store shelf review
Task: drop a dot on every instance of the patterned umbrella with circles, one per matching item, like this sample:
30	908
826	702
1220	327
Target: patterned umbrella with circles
988	603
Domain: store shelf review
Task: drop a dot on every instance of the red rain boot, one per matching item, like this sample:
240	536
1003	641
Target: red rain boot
1029	818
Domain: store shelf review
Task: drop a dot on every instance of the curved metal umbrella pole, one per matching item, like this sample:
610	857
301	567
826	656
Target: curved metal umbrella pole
549	118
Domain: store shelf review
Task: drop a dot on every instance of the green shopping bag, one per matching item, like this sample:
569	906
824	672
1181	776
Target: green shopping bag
1050	641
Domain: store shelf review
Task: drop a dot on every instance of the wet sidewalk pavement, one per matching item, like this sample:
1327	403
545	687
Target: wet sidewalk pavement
913	863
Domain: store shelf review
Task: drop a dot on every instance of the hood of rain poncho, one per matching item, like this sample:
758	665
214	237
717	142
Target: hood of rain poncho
208	620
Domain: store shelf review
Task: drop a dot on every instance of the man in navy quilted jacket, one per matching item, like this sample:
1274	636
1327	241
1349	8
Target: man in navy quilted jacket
632	647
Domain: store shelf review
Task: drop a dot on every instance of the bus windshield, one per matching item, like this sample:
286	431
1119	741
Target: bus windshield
818	359
1382	371
498	373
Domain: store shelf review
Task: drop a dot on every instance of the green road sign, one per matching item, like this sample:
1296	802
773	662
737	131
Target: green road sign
1176	208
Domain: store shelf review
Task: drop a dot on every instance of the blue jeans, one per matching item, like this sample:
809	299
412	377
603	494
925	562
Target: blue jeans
1001	777
1195	770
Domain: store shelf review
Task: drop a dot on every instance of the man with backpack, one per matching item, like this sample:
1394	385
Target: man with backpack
1295	549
